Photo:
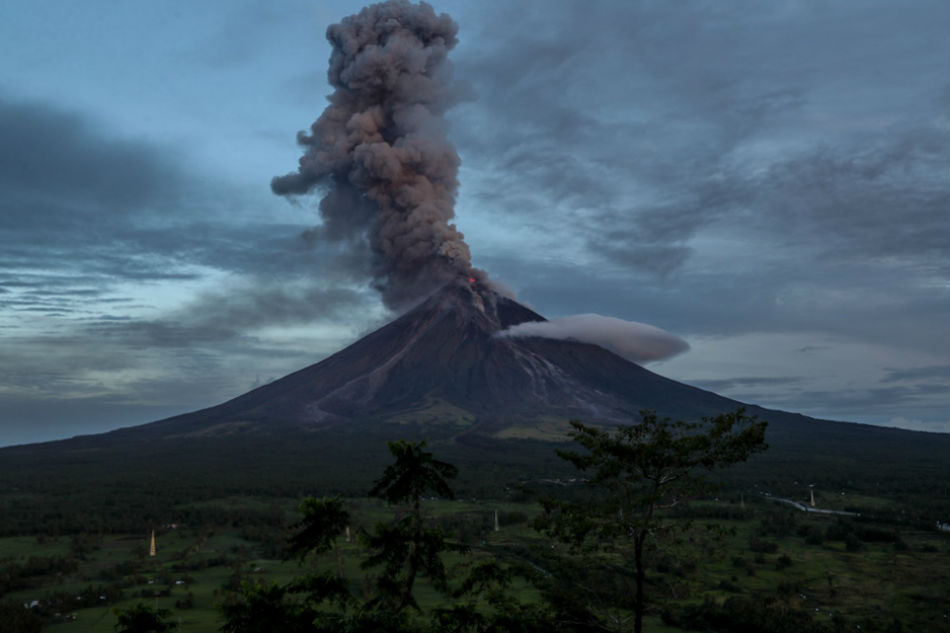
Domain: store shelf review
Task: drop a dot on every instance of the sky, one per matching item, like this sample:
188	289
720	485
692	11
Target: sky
769	181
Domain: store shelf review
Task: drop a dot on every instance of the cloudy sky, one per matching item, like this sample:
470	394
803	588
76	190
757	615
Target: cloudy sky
767	180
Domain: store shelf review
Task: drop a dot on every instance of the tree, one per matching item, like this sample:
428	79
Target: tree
638	471
407	547
264	608
322	523
141	618
299	605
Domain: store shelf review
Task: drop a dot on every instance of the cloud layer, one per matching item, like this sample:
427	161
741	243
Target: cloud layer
638	342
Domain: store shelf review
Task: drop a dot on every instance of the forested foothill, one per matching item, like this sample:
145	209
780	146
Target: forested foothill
437	536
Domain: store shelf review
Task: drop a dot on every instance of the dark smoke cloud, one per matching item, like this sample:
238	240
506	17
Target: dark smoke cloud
379	153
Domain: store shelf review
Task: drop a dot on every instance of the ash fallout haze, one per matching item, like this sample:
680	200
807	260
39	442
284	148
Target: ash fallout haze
751	197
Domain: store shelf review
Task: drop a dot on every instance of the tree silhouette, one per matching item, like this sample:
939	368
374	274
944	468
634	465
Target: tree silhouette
406	547
638	471
141	618
322	523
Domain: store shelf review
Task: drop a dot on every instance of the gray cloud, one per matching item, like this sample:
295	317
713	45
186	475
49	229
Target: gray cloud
83	211
59	160
574	120
725	175
731	384
718	152
232	314
878	405
941	372
897	399
74	197
880	198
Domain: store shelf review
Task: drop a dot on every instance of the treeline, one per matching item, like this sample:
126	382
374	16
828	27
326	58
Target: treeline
19	575
57	606
740	614
853	532
115	487
134	511
58	491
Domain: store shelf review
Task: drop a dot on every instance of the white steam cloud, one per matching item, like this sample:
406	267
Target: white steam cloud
638	342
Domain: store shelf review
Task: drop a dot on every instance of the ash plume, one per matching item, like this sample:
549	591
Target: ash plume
379	153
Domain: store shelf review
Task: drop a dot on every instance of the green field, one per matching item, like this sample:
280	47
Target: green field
852	571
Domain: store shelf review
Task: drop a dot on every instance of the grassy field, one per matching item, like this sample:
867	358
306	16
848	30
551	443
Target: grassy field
862	573
878	582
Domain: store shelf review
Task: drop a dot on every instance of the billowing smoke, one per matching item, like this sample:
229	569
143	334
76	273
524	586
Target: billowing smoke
379	153
638	342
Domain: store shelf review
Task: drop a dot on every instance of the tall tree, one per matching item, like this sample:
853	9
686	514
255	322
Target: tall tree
638	471
407	547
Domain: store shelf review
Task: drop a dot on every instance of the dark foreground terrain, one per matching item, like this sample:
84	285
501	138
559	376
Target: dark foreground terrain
75	532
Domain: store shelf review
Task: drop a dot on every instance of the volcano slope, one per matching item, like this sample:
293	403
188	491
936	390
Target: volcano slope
497	406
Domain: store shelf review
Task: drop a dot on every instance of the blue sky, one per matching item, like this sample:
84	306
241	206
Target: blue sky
768	181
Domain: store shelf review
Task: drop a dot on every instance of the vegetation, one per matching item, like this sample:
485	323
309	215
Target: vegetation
142	618
905	578
635	474
405	548
264	561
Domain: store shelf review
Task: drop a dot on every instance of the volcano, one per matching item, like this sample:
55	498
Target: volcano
444	362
